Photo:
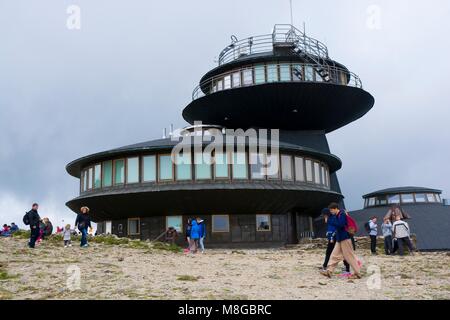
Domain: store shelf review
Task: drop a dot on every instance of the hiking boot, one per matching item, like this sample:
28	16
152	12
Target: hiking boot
326	273
355	276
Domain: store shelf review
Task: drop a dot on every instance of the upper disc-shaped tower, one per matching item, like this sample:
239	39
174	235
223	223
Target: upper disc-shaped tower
282	80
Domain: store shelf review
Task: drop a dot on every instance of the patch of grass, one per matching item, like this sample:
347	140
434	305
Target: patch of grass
110	240
167	247
137	244
186	277
4	275
22	234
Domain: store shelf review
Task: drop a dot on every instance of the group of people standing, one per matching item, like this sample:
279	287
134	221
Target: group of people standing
396	233
195	235
39	228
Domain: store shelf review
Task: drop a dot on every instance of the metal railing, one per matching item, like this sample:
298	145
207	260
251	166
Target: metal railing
282	35
259	74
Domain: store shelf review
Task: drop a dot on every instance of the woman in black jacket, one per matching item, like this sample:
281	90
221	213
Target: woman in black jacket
83	222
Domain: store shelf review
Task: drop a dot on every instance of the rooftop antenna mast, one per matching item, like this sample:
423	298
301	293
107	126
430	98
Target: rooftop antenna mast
292	15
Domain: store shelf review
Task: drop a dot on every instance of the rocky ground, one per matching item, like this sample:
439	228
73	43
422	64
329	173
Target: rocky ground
140	270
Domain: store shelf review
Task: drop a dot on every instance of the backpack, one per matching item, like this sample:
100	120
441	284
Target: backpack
26	219
351	227
367	226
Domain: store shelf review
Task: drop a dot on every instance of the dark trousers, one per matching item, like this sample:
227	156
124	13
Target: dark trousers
330	248
83	236
33	236
388	245
401	242
373	244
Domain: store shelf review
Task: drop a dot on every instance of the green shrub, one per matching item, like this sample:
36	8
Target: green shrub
22	234
167	247
186	277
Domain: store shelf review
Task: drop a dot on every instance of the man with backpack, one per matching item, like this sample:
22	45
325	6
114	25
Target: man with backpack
343	249
372	228
32	219
401	232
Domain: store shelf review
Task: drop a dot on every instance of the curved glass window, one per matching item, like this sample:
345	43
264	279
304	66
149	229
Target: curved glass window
438	198
224	166
149	168
431	197
421	197
240	165
203	166
299	169
260	74
247	77
371	202
107	174
317	172
394	199
285	72
165	167
309	73
407	198
273	166
221	167
257	168
119	172
236	79
227	82
272	73
90	178
297	72
286	168
85	180
309	170
133	170
97	176
183	167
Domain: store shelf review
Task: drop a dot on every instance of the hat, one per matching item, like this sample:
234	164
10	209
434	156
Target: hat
326	212
87	209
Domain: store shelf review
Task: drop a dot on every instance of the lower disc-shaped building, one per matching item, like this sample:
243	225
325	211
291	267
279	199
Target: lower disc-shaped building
264	195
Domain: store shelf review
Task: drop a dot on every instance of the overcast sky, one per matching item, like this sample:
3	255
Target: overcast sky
130	70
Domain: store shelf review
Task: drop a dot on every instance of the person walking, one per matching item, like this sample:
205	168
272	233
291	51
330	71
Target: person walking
83	222
195	236
373	234
386	229
33	219
188	233
402	233
331	237
343	249
202	225
67	236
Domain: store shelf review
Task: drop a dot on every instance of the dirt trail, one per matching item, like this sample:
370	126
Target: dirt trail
138	272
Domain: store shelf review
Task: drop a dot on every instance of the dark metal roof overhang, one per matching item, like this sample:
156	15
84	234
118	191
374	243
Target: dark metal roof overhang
205	198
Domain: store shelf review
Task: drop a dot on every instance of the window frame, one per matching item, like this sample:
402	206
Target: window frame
138	226
228	165
191	175
270	222
103	173
213	230
159	168
138	171
182	224
291	164
114	172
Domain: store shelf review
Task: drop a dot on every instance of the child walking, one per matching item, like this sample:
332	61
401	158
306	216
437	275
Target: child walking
67	233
